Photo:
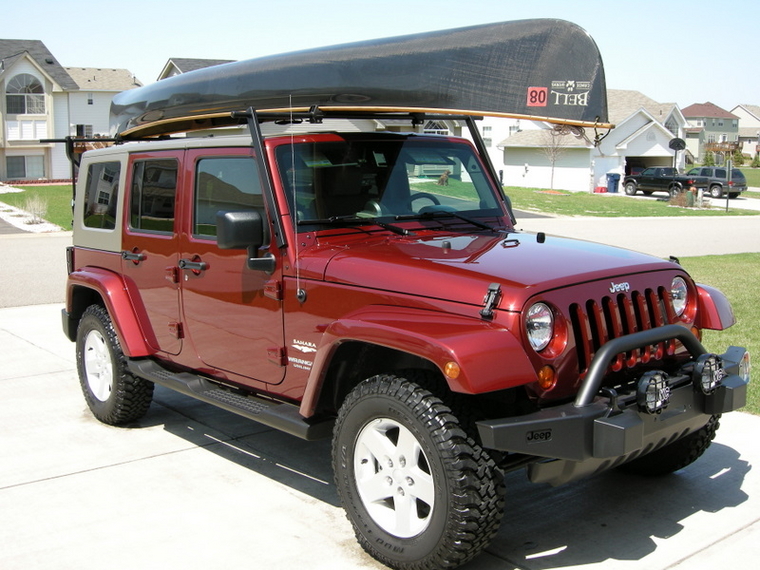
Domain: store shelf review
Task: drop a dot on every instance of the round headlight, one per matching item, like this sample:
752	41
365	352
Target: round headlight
539	325
679	294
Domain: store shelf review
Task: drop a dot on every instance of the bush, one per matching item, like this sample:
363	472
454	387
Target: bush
37	207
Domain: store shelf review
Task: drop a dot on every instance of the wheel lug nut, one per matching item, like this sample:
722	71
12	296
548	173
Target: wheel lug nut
409	481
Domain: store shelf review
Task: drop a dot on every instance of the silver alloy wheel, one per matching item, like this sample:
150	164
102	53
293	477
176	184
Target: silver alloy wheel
98	365
393	477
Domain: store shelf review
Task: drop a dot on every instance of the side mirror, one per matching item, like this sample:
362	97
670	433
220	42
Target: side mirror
245	230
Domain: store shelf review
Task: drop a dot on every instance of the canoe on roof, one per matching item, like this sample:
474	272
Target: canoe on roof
543	69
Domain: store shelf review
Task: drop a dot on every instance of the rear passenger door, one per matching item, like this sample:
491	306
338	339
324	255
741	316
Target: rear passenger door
232	314
150	247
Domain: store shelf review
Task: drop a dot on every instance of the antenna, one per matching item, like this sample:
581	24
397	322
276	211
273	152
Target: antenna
300	293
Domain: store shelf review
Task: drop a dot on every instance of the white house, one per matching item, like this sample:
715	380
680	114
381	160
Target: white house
534	157
43	100
749	128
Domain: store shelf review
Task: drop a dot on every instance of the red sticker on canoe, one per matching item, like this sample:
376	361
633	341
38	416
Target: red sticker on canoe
537	96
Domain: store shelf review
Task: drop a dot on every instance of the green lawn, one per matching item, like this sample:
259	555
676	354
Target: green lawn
585	204
735	275
57	198
752	175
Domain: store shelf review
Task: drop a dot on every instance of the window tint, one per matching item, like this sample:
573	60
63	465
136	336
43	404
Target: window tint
720	173
101	195
154	188
224	184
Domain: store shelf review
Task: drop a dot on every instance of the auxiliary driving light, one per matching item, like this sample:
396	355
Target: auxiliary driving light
708	373
653	394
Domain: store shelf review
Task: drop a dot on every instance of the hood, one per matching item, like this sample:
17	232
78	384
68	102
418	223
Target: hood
461	267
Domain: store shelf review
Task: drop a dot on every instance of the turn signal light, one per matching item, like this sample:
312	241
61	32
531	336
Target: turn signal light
452	370
547	378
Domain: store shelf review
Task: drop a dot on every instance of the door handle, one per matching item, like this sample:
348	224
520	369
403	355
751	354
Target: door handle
133	256
194	266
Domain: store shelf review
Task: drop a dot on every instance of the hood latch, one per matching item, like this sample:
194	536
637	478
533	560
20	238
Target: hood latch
491	300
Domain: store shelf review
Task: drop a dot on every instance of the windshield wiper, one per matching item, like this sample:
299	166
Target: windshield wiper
447	214
353	221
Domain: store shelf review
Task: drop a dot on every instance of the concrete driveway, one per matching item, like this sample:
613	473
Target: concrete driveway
194	487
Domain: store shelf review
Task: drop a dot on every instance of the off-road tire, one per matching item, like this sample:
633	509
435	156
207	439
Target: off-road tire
380	419
114	396
676	455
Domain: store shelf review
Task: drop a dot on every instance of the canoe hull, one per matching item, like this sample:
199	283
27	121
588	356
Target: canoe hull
548	69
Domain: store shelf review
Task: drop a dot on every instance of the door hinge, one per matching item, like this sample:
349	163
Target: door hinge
273	290
276	355
172	274
176	330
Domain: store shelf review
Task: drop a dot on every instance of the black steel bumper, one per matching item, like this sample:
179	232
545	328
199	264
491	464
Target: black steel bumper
597	430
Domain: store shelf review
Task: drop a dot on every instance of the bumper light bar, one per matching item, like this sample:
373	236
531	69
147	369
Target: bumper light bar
653	394
708	373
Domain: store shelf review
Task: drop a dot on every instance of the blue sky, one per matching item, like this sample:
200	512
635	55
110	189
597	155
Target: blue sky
661	48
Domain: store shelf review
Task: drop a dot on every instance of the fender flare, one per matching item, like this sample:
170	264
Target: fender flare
484	350
111	289
714	311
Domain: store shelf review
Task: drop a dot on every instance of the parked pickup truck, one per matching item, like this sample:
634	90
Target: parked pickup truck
661	179
715	179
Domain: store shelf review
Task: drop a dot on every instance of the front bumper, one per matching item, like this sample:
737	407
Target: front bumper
600	430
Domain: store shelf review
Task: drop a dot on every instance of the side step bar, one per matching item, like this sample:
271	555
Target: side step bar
282	416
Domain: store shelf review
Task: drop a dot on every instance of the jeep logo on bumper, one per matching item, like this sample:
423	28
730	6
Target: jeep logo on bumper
539	436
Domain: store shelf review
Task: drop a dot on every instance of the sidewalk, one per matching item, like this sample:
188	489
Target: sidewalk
194	487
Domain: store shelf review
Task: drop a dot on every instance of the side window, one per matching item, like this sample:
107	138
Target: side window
101	195
223	184
154	188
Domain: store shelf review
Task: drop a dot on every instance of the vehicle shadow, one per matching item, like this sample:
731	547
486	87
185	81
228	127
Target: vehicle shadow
611	517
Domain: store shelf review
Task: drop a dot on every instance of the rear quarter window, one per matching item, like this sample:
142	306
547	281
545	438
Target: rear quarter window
101	195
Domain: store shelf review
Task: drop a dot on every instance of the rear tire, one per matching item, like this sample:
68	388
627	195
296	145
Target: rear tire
418	491
716	191
676	455
113	395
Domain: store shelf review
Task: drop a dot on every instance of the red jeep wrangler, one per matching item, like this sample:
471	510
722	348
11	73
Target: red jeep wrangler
372	287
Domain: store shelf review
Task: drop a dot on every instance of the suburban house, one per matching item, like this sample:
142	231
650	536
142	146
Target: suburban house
538	157
711	129
749	128
43	100
179	65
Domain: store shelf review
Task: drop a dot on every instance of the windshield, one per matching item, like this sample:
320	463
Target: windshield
386	178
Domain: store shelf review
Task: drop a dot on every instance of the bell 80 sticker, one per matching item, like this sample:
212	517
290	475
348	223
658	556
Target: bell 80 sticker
537	96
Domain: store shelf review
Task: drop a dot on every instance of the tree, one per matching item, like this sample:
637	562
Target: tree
756	161
554	146
709	159
738	158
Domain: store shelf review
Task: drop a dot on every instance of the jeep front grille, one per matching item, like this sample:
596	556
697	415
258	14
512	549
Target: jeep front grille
598	321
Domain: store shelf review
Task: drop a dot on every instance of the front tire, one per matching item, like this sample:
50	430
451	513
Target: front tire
630	189
418	491
676	455
113	395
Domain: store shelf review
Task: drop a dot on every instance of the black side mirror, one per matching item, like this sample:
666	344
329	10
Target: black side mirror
245	230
